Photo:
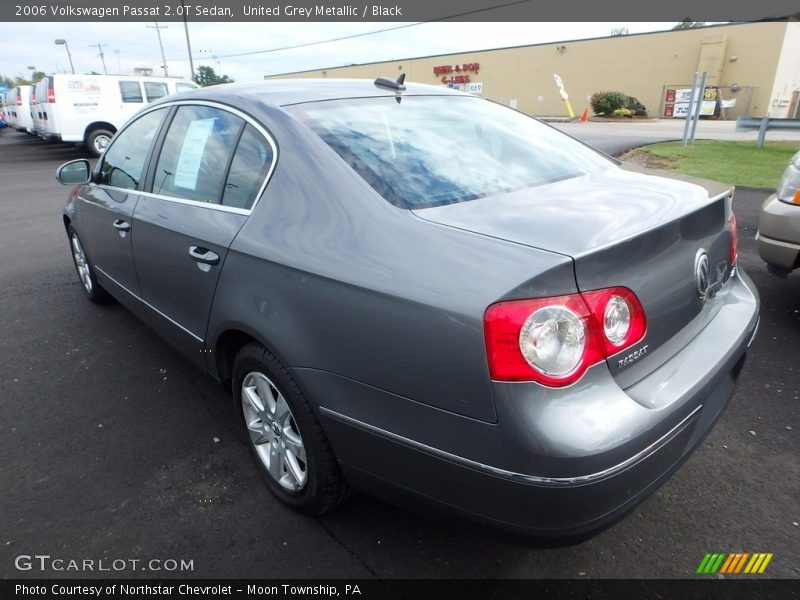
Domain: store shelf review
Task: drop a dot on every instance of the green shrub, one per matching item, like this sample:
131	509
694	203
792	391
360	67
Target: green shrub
607	102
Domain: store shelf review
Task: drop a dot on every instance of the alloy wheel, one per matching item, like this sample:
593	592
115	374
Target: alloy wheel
273	432
81	264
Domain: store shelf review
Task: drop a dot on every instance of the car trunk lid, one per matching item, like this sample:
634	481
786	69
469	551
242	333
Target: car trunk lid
621	228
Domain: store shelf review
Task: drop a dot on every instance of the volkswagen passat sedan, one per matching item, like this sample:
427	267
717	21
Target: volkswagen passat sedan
779	223
423	294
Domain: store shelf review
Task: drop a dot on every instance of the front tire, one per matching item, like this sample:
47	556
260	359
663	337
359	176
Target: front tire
97	141
94	292
284	435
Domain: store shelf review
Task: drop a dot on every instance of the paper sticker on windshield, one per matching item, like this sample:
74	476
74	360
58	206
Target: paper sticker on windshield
194	143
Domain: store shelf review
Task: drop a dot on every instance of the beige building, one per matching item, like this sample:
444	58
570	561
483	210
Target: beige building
755	66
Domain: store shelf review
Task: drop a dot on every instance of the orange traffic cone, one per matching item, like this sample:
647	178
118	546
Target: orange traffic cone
585	115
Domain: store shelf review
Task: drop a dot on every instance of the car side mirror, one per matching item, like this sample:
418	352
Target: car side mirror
74	172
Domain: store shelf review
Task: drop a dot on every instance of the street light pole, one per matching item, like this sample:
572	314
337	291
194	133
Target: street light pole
188	43
63	42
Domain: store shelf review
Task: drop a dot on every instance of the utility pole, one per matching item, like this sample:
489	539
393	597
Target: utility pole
158	29
188	44
102	56
119	68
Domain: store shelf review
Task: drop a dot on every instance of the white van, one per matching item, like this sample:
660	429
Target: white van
19	109
38	96
90	108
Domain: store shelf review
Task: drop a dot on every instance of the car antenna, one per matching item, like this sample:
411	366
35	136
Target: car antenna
391	83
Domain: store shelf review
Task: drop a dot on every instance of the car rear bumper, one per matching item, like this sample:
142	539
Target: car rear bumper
51	137
515	502
564	462
778	234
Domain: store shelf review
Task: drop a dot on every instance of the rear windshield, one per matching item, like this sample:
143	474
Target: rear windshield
422	151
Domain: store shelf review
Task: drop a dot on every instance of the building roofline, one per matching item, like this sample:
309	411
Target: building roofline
570	41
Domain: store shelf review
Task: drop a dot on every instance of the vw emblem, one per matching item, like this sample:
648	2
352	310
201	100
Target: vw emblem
701	278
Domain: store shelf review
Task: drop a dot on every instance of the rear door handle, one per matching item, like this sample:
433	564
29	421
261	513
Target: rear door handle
203	255
121	225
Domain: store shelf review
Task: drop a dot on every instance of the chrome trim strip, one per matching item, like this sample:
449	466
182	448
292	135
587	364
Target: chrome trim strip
520	477
755	331
210	205
143	301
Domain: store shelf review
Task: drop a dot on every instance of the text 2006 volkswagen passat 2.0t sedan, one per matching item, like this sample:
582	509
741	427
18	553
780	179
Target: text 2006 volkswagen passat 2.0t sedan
422	294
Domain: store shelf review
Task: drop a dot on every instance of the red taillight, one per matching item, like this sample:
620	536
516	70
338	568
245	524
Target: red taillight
600	301
19	101
553	341
33	98
51	95
733	248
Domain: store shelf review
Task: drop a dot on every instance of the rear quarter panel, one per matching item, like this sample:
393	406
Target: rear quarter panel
333	278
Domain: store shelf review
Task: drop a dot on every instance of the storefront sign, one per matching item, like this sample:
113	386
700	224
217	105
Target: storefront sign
456	73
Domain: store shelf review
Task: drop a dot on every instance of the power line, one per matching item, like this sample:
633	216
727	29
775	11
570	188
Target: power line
375	32
319	42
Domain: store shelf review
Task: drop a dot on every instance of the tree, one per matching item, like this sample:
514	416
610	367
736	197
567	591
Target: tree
206	76
687	23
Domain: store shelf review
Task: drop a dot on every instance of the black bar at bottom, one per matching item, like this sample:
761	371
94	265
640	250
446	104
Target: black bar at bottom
701	588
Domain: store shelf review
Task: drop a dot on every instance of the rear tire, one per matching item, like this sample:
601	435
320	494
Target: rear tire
284	435
94	292
97	141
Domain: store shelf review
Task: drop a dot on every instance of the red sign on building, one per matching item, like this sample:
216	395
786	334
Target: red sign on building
456	72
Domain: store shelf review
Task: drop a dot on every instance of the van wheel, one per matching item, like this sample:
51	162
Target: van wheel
98	141
284	435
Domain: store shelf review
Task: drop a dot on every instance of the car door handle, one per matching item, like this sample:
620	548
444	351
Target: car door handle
121	225
203	255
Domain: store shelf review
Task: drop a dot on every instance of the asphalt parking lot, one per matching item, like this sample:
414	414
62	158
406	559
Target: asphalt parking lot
112	446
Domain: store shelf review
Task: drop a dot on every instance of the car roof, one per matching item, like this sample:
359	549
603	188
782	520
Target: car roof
283	92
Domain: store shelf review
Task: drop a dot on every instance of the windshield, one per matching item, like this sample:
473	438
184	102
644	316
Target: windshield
421	151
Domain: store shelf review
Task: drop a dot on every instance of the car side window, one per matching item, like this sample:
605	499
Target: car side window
123	163
249	167
154	90
196	152
131	91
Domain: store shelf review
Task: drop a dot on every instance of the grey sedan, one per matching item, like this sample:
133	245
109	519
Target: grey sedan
424	295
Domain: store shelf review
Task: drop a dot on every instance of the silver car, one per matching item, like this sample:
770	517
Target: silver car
423	295
779	223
